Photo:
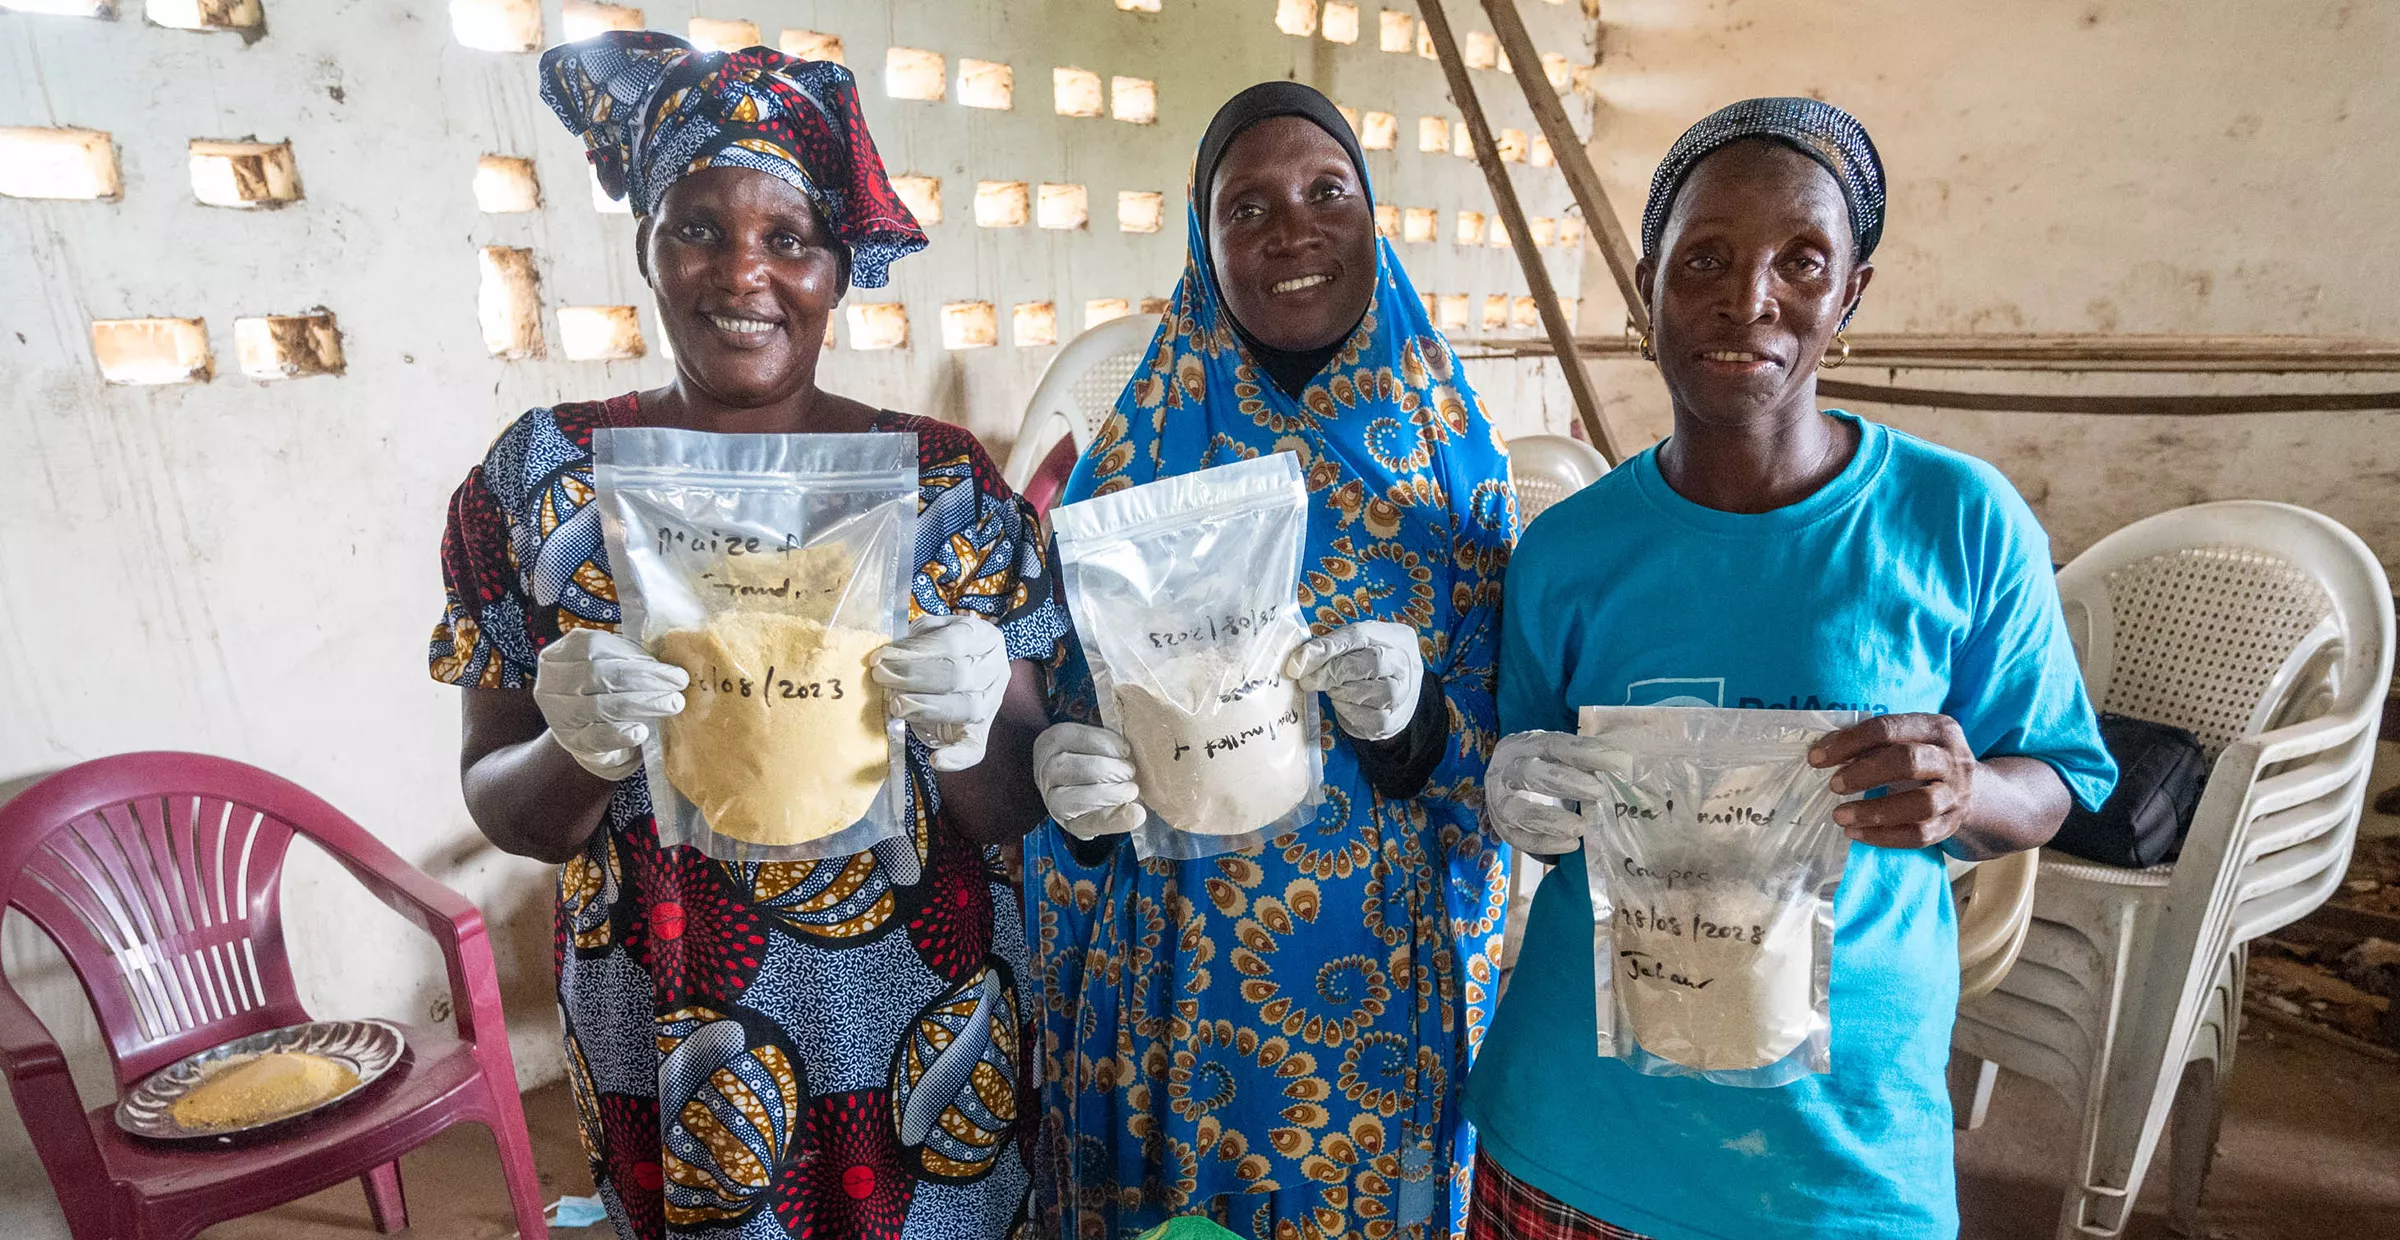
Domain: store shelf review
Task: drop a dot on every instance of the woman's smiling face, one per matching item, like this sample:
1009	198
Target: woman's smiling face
1754	275
1292	235
746	275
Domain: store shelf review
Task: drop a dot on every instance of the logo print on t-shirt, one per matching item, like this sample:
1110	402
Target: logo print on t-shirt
1677	691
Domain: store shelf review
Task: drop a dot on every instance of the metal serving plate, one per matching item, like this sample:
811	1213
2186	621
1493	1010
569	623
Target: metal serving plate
370	1047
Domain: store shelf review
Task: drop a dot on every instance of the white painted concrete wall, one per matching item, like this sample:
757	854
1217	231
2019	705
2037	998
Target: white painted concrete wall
2077	166
248	568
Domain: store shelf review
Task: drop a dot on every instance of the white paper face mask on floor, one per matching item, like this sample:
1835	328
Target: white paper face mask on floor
1712	866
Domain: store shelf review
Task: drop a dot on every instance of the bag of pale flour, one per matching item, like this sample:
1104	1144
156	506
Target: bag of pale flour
1713	865
770	568
1185	593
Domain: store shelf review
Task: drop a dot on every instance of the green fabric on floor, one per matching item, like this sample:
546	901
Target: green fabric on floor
1190	1228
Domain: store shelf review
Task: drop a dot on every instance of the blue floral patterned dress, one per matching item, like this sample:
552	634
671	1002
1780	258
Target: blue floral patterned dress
1276	1038
820	1049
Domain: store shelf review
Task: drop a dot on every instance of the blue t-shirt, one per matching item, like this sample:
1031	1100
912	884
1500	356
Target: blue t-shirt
1916	580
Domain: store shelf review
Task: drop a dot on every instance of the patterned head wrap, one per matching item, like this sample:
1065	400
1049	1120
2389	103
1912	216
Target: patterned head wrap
1814	128
652	110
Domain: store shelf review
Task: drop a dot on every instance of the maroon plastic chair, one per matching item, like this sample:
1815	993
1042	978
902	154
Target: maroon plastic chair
157	875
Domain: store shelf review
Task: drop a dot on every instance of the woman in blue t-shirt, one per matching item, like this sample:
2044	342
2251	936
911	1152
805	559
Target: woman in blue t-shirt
1772	555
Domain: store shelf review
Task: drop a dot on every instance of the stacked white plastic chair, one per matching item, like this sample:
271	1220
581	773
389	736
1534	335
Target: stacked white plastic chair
1078	392
1544	469
2267	631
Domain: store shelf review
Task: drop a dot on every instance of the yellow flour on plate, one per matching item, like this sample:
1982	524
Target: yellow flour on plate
270	1086
781	739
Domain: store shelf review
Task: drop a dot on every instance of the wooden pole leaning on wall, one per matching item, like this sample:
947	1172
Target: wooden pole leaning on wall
1525	60
1512	215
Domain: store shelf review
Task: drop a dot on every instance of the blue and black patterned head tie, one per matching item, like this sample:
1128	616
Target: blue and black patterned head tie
651	110
1814	128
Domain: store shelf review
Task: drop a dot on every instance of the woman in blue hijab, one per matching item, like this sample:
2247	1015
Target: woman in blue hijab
1275	1038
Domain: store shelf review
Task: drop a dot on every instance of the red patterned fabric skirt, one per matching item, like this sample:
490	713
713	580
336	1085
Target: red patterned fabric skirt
1506	1208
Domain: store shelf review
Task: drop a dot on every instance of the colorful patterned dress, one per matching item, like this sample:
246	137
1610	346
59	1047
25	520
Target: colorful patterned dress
1276	1038
821	1049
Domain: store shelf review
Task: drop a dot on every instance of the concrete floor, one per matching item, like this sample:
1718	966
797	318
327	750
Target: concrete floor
2311	1150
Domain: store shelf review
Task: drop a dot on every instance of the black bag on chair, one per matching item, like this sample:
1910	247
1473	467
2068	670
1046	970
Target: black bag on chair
2160	771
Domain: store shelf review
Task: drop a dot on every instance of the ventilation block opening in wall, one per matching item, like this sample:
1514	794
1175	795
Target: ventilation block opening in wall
1453	317
1566	308
1495	312
1296	17
970	325
986	84
811	45
913	73
497	25
1559	70
1425	42
508	301
1470	228
1103	310
1544	229
1524	312
1570	230
204	14
1462	143
1155	305
878	325
1420	225
1001	204
244	174
1076	92
1062	206
58	163
1137	6
581	19
1538	152
1433	135
1396	32
711	34
599	333
1387	221
1380	132
1133	100
1141	210
505	185
1350	116
1496	232
1341	21
288	346
147	351
922	195
1512	145
1033	323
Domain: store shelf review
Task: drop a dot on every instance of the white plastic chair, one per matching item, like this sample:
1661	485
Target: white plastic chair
1078	392
2267	630
1994	900
1544	469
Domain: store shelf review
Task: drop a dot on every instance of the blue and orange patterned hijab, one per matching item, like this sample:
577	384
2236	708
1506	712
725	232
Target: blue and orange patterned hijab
651	109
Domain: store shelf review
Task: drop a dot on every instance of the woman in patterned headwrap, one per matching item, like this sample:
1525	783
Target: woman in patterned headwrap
1275	1038
830	1048
1771	554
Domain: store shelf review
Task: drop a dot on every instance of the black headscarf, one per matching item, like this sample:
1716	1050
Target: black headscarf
1814	128
1290	370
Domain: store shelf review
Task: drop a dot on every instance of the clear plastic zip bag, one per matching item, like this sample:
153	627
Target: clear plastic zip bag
1712	867
770	568
1185	594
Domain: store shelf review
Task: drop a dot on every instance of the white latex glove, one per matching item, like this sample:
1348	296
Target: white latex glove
597	690
1086	777
946	679
1527	767
1371	670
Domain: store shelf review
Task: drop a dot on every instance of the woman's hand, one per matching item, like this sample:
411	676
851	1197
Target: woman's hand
946	680
1371	670
1086	778
1938	792
1527	768
597	691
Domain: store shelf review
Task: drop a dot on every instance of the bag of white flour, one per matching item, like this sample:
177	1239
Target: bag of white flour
770	568
1713	866
1185	593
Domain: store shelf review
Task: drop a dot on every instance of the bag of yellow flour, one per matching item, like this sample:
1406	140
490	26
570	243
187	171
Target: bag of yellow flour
770	568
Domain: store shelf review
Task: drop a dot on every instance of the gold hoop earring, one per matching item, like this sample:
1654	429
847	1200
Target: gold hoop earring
1833	360
1648	347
